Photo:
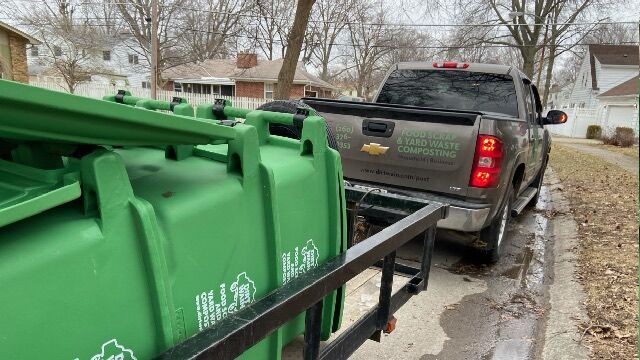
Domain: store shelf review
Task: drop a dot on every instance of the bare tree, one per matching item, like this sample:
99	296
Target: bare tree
411	45
524	23
294	42
370	40
211	27
331	18
70	39
272	21
563	38
136	15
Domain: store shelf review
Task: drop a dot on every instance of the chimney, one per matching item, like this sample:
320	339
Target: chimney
247	60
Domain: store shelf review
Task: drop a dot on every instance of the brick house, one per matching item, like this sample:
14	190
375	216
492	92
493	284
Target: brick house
13	53
245	76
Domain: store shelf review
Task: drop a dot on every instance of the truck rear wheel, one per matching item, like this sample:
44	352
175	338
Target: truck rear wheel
290	131
494	234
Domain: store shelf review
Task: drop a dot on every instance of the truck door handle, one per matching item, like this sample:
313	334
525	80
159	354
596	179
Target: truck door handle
377	128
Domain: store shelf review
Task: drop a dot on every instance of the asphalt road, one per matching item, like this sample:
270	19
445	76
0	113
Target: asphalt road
475	311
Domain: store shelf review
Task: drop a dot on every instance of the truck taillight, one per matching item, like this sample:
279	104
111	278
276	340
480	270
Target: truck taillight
450	65
487	162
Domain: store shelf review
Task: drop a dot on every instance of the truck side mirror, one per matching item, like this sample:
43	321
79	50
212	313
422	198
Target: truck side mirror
555	117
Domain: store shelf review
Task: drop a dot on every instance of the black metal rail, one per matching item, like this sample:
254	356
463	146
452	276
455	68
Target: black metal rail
240	331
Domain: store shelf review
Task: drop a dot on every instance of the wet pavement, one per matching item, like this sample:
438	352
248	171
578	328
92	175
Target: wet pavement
471	310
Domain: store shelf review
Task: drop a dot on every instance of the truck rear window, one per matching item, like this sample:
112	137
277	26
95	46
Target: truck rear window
451	89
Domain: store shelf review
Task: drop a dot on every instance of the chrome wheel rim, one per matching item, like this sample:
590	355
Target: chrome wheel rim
503	224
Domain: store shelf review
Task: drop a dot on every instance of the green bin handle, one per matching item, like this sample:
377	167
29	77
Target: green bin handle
222	109
177	105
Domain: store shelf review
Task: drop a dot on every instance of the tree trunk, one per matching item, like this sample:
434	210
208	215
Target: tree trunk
324	75
296	36
547	81
528	61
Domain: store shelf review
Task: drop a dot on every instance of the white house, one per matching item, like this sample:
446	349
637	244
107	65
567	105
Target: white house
593	100
619	106
119	62
603	67
559	96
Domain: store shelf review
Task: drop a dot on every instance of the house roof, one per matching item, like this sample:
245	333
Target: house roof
24	35
265	71
611	55
629	87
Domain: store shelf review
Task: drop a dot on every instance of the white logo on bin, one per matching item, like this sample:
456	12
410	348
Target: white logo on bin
299	261
111	350
213	306
244	291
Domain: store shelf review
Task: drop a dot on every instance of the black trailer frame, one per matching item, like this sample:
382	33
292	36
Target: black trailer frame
240	331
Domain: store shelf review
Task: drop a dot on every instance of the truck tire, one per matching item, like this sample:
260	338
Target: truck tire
538	183
494	234
290	131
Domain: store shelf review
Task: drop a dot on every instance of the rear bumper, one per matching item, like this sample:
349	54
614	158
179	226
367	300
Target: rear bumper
465	219
463	215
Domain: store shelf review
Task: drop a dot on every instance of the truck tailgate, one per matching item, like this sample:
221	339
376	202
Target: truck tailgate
406	146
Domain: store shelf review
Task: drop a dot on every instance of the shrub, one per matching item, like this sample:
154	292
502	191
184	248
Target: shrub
608	139
625	136
594	132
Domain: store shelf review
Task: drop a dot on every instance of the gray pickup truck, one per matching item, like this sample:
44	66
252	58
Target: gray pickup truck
470	135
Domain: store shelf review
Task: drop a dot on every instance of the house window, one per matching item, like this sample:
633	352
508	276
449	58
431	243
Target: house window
268	91
106	55
146	85
309	93
34	50
177	87
57	51
133	59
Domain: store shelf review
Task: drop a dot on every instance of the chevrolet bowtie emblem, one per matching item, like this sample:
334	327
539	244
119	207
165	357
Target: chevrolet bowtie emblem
374	149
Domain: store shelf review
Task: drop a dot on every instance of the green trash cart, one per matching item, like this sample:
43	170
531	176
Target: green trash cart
125	230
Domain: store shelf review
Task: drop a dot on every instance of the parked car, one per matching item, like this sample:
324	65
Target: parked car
470	135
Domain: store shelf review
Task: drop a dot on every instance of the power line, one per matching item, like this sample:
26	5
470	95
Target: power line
259	16
281	42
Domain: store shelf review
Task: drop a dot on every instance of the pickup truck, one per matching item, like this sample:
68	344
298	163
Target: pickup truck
469	135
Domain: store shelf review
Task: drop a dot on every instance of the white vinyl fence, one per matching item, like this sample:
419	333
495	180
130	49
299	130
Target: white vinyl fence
93	90
578	121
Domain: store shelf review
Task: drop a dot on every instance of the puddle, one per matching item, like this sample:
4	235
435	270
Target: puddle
528	268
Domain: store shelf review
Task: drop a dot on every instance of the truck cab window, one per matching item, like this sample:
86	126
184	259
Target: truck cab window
451	89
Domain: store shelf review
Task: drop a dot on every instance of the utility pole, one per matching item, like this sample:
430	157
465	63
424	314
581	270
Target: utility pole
154	49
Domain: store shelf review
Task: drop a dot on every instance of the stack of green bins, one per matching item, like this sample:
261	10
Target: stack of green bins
125	230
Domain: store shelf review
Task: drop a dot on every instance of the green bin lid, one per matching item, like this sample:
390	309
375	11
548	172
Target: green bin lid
36	114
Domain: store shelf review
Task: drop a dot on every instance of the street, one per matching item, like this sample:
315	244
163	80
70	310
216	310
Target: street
474	311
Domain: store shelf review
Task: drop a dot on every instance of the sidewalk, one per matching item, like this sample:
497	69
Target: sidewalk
559	139
628	163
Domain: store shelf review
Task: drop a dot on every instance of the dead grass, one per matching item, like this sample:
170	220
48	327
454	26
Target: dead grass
604	203
629	151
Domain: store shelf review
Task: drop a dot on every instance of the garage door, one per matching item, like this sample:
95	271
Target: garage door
618	115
